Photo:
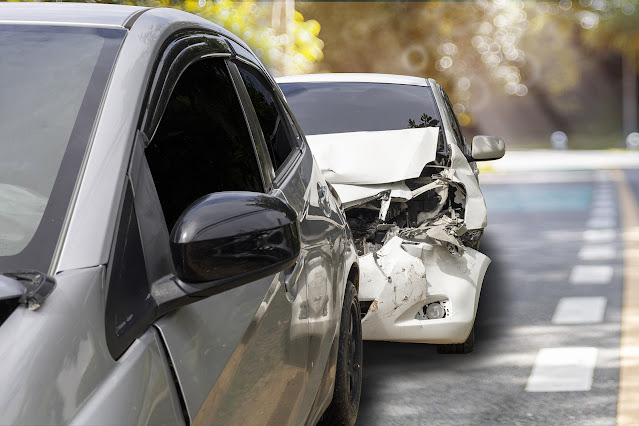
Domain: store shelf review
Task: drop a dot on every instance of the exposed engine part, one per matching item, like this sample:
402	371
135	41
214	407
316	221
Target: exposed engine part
454	250
432	213
471	238
363	223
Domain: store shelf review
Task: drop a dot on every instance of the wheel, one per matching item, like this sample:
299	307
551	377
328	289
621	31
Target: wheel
348	376
459	348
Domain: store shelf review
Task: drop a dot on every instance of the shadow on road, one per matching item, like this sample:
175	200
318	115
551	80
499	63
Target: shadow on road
383	361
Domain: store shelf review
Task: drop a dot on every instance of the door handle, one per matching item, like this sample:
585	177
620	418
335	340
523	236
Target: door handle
291	278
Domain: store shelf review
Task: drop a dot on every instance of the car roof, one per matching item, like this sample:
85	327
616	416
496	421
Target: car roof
355	78
93	15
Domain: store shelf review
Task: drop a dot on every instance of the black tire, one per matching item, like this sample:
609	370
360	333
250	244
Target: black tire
459	348
348	376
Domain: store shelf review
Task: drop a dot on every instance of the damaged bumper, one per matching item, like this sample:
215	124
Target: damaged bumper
403	278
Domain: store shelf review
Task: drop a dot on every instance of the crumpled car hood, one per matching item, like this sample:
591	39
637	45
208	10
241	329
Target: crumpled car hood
381	157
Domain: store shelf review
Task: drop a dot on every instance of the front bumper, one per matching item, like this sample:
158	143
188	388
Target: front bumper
404	276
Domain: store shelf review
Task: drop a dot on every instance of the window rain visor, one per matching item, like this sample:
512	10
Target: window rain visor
52	79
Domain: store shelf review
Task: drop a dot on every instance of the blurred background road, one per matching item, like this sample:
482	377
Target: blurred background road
548	329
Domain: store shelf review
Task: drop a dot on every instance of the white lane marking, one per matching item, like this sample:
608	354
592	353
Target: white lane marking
601	222
600	235
591	274
602	175
562	370
580	310
603	193
603	213
604	205
598	252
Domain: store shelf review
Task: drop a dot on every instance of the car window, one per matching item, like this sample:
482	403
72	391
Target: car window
322	108
276	133
202	144
54	80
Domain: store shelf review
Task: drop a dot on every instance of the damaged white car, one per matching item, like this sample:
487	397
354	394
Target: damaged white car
392	149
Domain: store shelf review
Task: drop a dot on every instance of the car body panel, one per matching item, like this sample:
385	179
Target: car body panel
208	340
63	363
429	261
138	391
354	77
68	14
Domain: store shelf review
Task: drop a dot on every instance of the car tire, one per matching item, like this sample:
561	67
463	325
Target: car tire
348	376
459	348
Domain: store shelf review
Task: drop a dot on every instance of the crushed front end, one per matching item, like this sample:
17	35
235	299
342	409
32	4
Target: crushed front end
417	215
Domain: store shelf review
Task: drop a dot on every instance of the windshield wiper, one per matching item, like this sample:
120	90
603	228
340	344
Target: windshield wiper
36	287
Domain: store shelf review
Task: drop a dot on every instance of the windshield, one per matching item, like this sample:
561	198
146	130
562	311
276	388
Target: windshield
51	83
322	108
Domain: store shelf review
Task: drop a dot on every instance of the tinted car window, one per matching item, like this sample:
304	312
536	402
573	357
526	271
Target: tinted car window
53	79
202	144
322	108
271	121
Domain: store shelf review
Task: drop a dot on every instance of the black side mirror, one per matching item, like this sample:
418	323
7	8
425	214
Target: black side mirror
224	240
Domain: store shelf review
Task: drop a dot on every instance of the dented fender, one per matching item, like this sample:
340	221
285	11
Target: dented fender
463	173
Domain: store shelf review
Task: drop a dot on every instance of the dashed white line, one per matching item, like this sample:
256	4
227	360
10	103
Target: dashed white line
609	206
598	252
601	222
580	310
562	370
600	235
591	274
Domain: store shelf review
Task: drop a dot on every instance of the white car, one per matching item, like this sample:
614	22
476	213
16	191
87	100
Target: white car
392	149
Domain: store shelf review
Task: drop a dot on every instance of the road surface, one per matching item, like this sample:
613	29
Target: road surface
548	328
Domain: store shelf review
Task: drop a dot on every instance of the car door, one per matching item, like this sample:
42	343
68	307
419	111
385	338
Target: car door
231	353
298	181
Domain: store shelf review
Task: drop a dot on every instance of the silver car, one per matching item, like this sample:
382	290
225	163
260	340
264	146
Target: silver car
169	251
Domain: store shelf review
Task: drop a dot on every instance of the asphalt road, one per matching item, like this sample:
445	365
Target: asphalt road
541	226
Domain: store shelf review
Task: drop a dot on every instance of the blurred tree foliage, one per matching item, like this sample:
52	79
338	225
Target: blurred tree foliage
468	47
253	22
608	24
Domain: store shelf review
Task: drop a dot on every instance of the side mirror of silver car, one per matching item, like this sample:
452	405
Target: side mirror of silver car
488	148
225	240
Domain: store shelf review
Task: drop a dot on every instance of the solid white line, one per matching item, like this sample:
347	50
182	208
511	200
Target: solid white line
580	310
600	235
601	222
598	252
562	370
591	274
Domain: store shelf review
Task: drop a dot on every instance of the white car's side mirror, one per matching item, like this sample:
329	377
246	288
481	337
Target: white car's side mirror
488	148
